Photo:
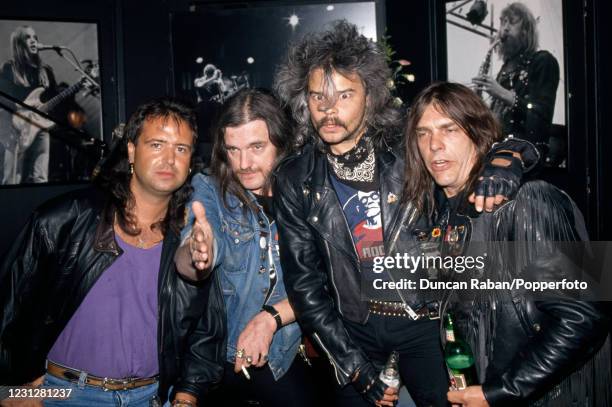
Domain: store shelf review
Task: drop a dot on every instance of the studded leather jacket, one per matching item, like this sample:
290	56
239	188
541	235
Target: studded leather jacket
318	254
56	260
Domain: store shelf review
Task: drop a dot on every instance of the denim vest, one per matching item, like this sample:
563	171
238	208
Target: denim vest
242	261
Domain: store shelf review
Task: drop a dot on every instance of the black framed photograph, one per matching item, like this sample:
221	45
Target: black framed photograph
50	100
220	50
512	53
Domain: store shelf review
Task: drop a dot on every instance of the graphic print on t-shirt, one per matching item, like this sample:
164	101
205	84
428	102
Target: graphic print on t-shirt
362	211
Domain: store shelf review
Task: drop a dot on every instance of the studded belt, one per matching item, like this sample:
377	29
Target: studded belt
105	383
397	309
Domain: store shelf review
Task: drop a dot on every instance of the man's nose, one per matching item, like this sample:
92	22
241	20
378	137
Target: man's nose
170	155
436	142
245	160
328	106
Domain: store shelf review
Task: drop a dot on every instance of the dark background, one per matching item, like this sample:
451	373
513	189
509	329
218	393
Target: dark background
137	64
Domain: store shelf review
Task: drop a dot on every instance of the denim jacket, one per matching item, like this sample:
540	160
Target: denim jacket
242	261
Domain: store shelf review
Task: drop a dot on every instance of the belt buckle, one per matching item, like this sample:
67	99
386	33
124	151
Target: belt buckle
124	382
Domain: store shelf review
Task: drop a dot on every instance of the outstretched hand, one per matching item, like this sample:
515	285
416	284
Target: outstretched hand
202	238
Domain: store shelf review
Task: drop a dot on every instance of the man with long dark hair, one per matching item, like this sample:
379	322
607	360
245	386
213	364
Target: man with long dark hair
90	298
234	237
525	88
26	150
529	350
335	84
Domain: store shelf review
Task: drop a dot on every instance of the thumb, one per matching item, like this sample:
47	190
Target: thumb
455	396
200	213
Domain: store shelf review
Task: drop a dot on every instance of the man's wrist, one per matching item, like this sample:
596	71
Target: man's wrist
273	312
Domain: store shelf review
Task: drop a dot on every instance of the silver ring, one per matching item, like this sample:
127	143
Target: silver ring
240	354
249	359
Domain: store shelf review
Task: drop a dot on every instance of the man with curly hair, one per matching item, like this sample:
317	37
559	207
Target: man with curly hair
338	208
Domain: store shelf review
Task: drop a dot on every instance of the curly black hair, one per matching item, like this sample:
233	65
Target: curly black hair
344	50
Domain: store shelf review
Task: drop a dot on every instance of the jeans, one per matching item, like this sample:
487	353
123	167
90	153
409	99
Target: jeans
36	160
421	363
293	389
83	395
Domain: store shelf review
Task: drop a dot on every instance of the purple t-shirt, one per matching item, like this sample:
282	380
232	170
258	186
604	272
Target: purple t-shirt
113	333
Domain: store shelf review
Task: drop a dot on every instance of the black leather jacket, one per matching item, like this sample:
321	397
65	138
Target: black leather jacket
530	348
55	261
317	251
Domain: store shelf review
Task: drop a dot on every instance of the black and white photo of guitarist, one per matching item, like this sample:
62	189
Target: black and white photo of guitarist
25	137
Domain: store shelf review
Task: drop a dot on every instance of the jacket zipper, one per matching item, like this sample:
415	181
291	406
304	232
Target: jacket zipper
407	307
331	270
333	361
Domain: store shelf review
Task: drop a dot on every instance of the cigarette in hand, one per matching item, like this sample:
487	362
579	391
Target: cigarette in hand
246	372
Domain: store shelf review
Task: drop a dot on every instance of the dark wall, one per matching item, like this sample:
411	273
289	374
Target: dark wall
136	52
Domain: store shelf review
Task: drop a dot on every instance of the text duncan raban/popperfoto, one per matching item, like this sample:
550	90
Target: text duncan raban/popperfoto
458	264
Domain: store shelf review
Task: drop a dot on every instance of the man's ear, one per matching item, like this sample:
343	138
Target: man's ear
131	151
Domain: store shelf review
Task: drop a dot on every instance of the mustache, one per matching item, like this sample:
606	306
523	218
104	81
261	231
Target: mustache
330	121
248	171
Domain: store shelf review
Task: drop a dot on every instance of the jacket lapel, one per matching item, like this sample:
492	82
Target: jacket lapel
325	214
390	190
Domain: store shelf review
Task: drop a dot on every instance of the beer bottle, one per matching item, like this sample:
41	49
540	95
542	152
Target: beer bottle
390	373
458	357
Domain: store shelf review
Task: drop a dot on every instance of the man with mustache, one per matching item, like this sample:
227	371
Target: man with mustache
335	83
234	237
525	88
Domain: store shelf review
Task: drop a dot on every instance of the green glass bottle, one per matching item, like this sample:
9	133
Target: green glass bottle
459	357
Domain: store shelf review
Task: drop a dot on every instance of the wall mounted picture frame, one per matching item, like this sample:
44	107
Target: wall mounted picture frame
218	50
53	67
495	39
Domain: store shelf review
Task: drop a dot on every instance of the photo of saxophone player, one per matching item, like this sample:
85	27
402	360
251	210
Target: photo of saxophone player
524	91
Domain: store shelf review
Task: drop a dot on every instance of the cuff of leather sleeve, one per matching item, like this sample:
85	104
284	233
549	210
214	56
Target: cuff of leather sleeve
530	156
494	393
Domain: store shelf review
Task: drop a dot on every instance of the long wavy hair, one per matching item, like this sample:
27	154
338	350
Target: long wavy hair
114	176
469	112
246	106
23	60
528	37
341	49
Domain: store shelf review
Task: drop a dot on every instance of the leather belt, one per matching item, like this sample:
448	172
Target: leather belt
105	383
429	310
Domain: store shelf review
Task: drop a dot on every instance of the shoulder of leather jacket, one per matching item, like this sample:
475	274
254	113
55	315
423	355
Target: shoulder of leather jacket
297	166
